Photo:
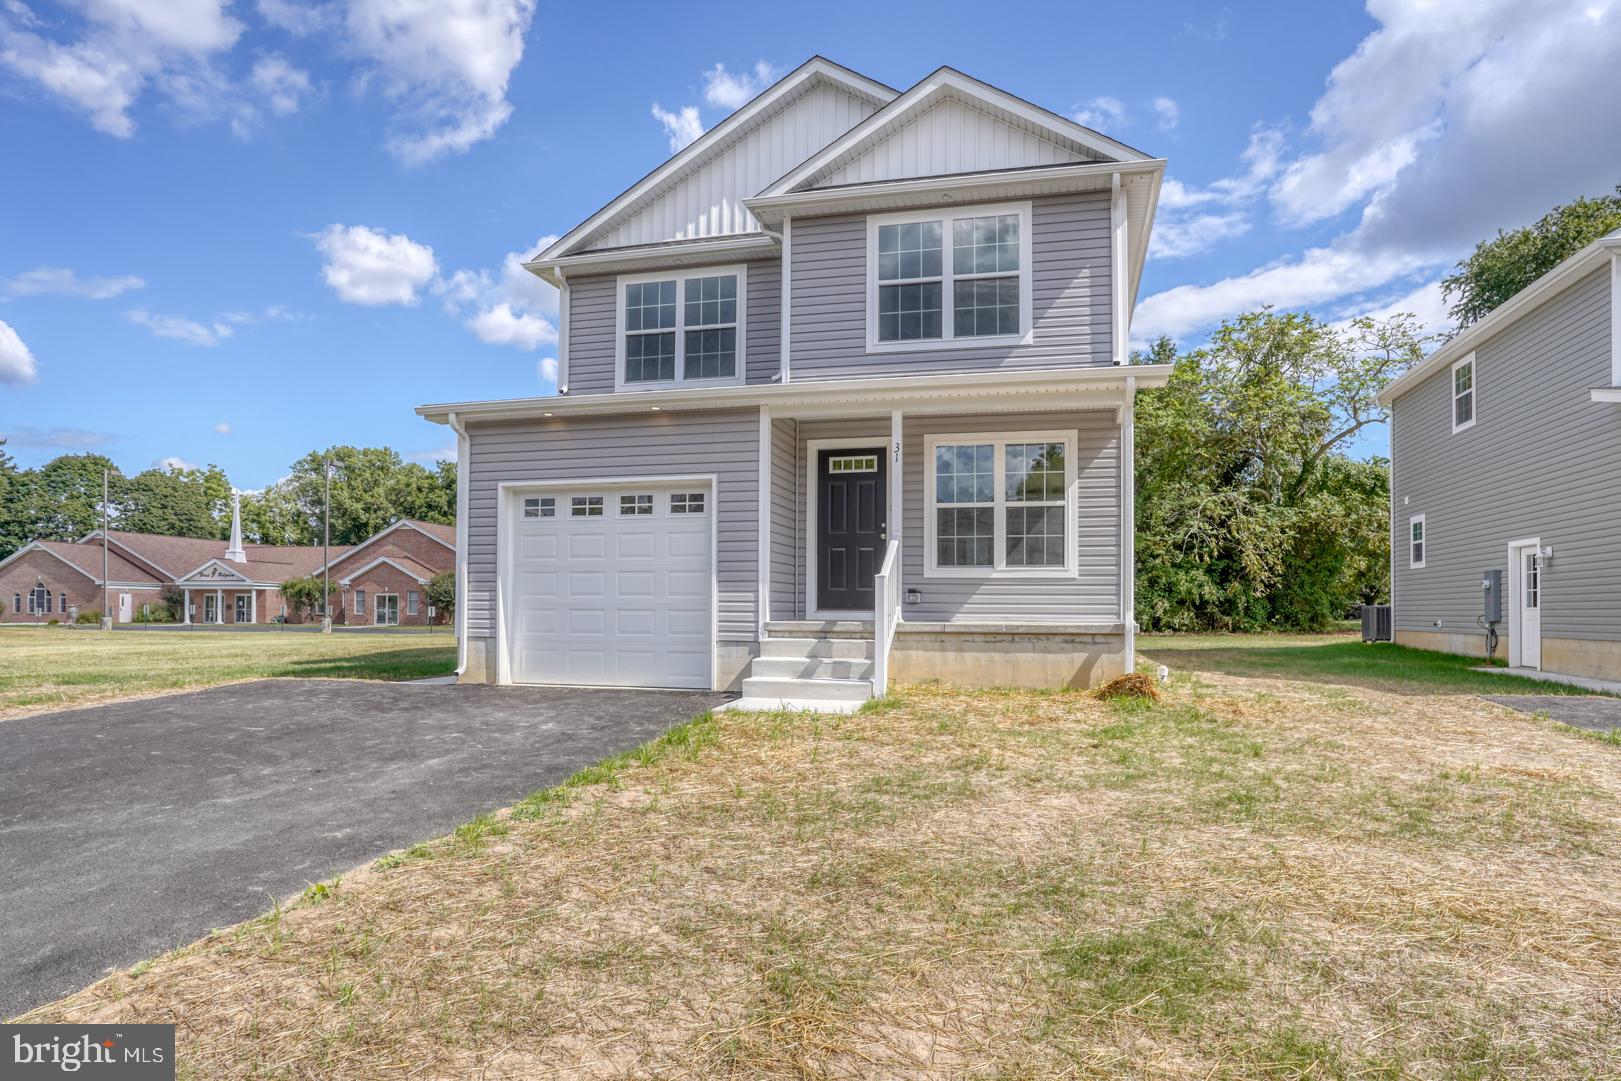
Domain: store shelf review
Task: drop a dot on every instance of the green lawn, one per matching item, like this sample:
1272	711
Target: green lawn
51	666
1337	659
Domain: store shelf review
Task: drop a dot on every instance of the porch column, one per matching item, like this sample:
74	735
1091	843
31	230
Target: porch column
219	606
897	486
253	606
186	608
763	578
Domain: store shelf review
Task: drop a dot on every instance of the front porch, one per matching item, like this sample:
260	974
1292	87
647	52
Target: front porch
978	540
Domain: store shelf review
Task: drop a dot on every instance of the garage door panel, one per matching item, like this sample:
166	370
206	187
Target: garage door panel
616	600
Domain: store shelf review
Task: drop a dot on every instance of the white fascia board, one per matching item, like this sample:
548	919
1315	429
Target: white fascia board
1560	277
936	85
715	137
1003	183
990	385
669	253
1139	242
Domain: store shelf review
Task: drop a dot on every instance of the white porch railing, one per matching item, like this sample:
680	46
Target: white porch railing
887	613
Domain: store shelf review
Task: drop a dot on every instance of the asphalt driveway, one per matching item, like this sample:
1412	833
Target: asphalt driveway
131	828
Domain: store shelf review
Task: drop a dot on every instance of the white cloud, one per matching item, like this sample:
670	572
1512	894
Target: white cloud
1169	113
1175	236
510	307
1261	157
501	325
179	328
1194	220
446	453
223	428
445	66
172	462
53	438
1316	276
547	370
682	127
64	281
1427	304
123	48
17	365
284	86
1100	113
724	90
369	266
295	18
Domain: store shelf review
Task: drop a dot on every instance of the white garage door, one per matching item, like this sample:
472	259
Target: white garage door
612	587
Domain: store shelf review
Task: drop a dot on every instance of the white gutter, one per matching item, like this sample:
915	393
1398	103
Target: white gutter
462	471
914	389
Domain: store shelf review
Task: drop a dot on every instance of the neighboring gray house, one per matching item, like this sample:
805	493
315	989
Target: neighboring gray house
1506	455
844	400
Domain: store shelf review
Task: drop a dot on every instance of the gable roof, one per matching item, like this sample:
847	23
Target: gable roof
1035	136
266	563
86	561
401	563
444	534
864	96
1583	263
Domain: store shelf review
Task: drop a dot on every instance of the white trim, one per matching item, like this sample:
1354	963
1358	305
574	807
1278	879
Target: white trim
1128	523
813	492
1561	276
997	570
786	319
909	389
463	476
1473	392
1516	599
1120	322
382	559
214	583
1423	540
763	560
1615	319
935	85
507	491
816	67
681	276
946	216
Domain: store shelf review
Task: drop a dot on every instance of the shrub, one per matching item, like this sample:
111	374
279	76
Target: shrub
52	622
89	615
156	613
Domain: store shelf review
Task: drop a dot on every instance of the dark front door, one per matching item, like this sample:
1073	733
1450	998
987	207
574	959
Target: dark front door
850	533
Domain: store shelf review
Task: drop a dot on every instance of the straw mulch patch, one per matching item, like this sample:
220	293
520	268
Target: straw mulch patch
1251	878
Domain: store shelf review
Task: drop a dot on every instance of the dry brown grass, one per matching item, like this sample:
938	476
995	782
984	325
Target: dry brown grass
1253	878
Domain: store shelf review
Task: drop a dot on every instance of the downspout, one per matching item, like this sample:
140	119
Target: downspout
1128	522
785	334
562	331
461	542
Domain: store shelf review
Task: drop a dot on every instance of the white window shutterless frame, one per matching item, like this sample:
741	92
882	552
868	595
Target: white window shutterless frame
1463	394
705	329
1021	503
952	270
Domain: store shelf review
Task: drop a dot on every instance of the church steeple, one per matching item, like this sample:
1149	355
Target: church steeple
235	553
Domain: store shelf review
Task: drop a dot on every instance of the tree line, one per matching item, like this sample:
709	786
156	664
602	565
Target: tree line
371	487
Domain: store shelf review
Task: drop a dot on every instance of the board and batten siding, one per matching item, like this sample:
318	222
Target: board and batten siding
1542	460
594	322
723	442
1070	298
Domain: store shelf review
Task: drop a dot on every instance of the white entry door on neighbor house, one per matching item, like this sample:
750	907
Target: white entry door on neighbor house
1525	629
612	586
125	608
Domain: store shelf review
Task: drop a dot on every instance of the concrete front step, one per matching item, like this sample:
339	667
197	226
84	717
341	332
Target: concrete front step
819	628
812	667
839	648
784	688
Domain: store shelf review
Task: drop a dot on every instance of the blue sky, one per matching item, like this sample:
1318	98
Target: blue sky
233	232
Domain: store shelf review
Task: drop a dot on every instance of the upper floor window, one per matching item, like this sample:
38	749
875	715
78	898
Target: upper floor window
1415	541
939	278
1463	393
677	329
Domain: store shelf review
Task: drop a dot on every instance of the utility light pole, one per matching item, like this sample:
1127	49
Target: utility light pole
106	594
326	543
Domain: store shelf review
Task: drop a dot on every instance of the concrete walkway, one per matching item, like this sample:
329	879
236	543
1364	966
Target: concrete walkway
1597	686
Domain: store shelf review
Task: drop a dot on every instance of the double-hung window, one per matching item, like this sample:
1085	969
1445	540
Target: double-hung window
680	329
1415	541
1463	393
1001	504
941	278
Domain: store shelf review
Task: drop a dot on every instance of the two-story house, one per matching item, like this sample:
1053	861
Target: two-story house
1506	457
844	399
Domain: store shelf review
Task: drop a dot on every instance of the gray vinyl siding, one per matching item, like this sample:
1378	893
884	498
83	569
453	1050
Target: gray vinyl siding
1091	596
1071	298
764	321
785	485
594	321
1542	460
724	443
